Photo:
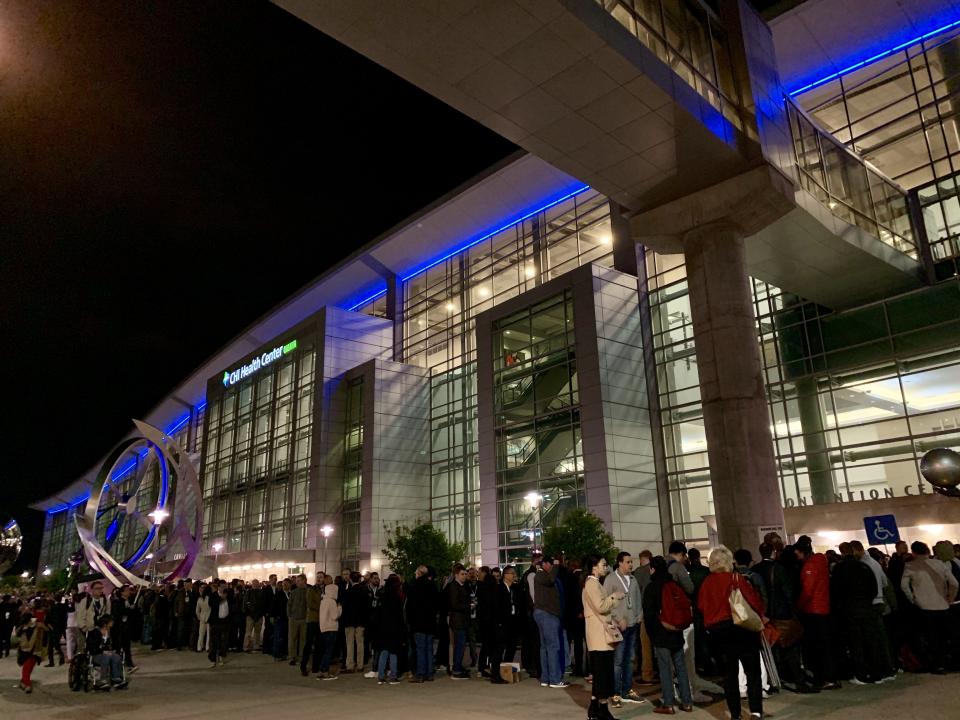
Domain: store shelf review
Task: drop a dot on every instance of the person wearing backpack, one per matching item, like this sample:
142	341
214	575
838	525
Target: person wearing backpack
667	612
736	644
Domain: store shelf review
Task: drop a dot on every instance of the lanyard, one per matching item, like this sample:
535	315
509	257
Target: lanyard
626	589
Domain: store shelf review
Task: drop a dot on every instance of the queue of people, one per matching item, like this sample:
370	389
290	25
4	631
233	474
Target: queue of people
794	618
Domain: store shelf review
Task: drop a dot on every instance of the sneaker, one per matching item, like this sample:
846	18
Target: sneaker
857	681
213	666
321	676
122	685
381	682
330	676
370	674
665	710
544	684
393	681
633	697
562	684
461	676
889	678
616	702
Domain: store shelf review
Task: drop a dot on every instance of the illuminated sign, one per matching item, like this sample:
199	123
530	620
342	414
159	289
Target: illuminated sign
245	371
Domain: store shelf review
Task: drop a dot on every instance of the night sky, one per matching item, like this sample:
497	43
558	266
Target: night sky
169	171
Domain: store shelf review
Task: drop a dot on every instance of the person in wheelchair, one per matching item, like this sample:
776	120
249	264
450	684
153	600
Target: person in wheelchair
100	647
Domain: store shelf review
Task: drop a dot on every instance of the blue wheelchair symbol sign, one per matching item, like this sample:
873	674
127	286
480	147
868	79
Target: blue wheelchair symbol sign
881	529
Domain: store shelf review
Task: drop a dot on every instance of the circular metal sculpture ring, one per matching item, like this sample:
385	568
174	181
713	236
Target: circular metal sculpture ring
123	504
11	542
941	468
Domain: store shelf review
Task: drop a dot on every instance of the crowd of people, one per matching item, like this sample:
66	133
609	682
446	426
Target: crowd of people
794	618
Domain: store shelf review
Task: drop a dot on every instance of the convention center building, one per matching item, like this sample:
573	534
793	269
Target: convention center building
714	292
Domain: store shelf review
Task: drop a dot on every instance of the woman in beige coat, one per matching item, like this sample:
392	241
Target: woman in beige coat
596	614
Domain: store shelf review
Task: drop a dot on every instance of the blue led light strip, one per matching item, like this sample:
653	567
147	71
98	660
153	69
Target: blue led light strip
874	58
476	241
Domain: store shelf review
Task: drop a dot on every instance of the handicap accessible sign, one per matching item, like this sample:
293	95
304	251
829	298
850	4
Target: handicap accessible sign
881	529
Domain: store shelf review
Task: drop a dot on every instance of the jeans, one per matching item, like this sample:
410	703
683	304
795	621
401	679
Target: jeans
459	645
111	662
623	662
382	664
673	667
279	644
424	643
549	627
329	640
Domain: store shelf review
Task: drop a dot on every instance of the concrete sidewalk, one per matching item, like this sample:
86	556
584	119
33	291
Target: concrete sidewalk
173	685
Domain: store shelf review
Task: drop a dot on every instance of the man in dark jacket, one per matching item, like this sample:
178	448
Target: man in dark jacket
782	592
422	607
219	625
547	614
853	587
458	609
253	611
124	619
353	619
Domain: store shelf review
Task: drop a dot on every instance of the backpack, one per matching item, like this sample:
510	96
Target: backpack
676	612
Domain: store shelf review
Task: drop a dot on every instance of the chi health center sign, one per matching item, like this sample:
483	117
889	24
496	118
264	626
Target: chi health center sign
232	377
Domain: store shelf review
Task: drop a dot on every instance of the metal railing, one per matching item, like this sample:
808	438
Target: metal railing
854	191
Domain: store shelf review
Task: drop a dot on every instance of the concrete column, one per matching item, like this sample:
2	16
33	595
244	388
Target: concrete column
739	442
819	470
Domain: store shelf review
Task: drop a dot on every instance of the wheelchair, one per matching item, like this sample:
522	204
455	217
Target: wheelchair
84	675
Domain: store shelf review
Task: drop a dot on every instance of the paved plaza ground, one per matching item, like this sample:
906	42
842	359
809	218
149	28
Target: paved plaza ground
172	685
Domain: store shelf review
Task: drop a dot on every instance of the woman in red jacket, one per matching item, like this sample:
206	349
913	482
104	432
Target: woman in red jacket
735	644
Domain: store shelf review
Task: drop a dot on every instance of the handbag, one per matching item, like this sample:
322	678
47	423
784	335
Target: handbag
740	610
612	633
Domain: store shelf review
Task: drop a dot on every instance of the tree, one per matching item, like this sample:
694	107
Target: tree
579	534
407	548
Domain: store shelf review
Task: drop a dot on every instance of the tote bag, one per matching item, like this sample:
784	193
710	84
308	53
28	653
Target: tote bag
740	610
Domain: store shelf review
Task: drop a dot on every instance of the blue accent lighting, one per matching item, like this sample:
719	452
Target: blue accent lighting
506	225
856	65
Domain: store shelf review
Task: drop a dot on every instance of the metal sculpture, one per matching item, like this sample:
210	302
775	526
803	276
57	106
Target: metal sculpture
941	468
152	449
11	542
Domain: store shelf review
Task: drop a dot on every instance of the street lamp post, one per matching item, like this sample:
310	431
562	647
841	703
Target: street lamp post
217	547
535	500
158	515
327	531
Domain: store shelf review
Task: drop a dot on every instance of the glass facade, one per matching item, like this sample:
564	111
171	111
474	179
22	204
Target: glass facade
678	387
440	304
257	456
454	468
855	397
687	35
898	112
939	204
352	471
536	421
